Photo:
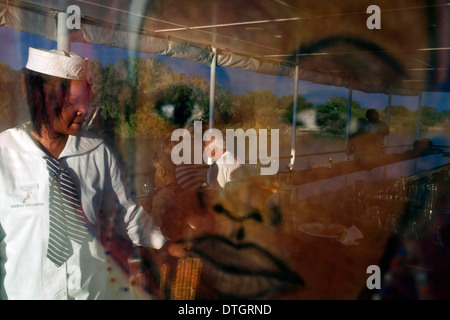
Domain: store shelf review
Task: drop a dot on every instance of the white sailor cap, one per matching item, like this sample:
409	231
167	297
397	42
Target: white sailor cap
57	63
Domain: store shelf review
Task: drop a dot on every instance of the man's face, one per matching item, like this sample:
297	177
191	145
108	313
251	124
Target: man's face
160	179
208	148
211	147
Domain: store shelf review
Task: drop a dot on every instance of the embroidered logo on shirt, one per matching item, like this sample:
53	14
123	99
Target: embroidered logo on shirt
26	198
26	193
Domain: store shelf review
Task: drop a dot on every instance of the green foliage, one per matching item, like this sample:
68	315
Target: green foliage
401	111
430	116
302	105
179	101
332	115
407	125
223	107
135	94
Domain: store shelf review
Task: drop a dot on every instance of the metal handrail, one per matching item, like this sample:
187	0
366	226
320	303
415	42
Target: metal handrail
343	151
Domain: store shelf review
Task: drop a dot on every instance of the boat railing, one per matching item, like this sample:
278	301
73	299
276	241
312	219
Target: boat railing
326	158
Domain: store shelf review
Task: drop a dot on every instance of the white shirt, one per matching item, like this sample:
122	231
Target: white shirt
224	169
25	271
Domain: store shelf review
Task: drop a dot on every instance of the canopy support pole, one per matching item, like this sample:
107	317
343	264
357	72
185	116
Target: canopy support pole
388	120
419	111
212	88
294	120
349	113
63	40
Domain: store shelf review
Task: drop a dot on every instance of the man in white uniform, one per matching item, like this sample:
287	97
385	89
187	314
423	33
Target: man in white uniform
224	166
58	97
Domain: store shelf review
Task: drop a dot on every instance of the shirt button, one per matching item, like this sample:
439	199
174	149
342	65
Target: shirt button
63	294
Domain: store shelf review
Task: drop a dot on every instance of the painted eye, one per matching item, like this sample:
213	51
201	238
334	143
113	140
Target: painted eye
219	208
255	215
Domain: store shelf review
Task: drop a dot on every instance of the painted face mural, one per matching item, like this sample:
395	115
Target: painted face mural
357	206
338	230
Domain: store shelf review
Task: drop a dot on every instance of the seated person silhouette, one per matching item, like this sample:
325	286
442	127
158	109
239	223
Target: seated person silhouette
427	148
363	145
415	151
421	148
378	127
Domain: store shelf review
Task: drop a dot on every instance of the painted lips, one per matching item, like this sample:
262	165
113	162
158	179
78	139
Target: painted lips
241	270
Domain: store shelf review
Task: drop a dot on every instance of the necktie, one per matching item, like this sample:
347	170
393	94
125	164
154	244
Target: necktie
66	215
213	172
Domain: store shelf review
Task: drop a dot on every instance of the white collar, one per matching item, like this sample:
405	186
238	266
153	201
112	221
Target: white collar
19	139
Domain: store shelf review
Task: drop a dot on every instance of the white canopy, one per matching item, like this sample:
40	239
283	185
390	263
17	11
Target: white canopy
328	40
